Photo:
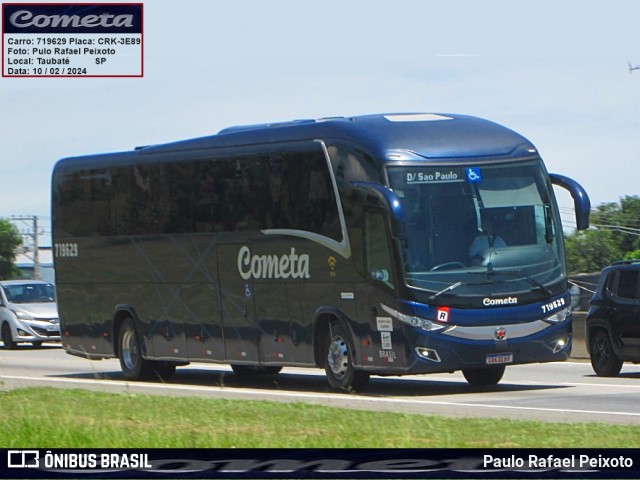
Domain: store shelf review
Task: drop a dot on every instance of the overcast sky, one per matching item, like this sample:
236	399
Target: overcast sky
556	72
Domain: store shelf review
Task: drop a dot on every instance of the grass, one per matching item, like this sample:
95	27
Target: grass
52	418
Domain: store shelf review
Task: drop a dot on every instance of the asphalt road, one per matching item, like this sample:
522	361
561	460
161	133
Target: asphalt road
558	392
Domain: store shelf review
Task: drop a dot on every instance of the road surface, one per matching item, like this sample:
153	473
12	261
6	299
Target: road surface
558	392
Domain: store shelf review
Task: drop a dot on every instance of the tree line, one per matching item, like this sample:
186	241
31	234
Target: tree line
614	235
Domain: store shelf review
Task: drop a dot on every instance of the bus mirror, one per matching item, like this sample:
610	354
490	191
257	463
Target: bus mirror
389	201
581	201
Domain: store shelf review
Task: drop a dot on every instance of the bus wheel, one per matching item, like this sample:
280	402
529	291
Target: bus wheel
603	359
484	377
339	369
244	370
134	367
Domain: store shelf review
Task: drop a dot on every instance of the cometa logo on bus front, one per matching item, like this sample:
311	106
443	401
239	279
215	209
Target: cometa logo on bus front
492	302
272	266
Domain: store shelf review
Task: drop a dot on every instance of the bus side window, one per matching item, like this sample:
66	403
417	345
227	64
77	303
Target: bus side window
378	249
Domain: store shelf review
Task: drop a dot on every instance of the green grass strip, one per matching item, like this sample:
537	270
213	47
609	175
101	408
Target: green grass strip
52	418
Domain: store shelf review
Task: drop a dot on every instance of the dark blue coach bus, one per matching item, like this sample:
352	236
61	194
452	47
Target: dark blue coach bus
380	244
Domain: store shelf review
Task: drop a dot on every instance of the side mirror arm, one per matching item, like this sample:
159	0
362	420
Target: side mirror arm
581	201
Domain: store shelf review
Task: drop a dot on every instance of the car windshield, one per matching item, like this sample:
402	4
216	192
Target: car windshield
30	293
469	226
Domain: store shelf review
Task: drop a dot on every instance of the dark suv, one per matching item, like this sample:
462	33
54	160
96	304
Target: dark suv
613	321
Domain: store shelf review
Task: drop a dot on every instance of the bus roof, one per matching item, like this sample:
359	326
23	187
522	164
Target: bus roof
418	135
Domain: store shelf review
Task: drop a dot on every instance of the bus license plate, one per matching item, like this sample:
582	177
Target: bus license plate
497	358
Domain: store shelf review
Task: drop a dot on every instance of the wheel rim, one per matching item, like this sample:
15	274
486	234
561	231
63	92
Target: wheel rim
129	349
338	357
602	351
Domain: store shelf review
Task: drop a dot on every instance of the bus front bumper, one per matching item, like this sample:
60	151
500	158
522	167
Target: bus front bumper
483	347
494	345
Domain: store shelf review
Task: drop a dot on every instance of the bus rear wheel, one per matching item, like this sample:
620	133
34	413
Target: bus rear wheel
134	366
338	367
484	377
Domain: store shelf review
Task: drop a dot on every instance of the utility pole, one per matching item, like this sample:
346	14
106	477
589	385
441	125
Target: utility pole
33	219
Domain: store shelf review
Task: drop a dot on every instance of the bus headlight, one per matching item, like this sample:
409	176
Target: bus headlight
417	322
559	316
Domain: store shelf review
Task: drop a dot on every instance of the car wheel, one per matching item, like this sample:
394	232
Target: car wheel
603	359
484	377
339	368
7	339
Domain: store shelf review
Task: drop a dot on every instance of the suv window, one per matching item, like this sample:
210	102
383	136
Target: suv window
624	284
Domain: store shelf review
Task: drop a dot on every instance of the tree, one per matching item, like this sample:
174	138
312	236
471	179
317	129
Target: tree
591	251
10	239
614	235
623	220
633	255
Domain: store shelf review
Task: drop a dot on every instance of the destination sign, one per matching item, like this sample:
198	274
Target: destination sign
434	175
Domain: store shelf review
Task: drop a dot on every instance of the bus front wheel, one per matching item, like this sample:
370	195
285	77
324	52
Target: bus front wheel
338	367
484	377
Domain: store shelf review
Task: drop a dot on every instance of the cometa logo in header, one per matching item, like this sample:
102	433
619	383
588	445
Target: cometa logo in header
26	19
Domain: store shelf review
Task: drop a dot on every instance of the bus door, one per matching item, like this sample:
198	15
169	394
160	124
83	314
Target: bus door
384	346
238	308
272	311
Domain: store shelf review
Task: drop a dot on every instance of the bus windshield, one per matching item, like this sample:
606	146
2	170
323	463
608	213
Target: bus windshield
478	224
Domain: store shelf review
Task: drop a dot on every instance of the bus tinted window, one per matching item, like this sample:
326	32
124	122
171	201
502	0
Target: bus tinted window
289	190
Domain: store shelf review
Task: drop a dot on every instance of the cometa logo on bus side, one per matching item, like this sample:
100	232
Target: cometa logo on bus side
272	266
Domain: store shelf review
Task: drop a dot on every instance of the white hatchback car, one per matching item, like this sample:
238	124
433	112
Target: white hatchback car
28	313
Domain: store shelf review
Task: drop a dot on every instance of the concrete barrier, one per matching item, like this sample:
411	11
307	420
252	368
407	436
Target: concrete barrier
579	349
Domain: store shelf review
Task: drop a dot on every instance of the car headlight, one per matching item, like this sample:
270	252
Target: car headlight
559	316
22	315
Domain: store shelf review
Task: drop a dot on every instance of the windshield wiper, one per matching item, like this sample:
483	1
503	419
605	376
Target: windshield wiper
453	286
523	276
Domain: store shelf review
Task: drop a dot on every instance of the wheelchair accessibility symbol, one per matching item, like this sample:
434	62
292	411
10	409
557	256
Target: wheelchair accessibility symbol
473	175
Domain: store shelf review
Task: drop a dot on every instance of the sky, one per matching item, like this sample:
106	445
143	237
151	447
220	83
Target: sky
555	72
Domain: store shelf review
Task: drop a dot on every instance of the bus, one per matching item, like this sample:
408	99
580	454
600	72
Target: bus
338	243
